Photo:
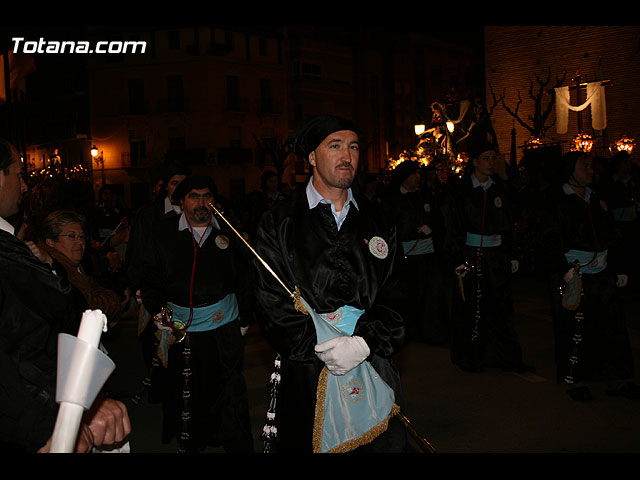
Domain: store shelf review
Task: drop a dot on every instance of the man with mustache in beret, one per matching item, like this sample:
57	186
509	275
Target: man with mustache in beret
339	252
197	273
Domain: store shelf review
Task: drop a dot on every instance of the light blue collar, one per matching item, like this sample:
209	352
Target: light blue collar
314	198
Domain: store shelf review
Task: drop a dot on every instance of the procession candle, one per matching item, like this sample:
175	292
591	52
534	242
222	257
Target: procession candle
70	414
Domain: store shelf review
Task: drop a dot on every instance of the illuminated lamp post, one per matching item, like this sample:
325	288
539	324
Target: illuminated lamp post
625	144
532	143
582	142
99	159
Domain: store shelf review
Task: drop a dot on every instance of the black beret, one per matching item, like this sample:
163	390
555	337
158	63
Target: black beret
194	182
403	170
307	137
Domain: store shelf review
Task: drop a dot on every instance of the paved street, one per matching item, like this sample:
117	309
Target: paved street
458	412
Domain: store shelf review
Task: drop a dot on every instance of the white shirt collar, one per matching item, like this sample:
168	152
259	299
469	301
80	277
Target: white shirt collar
6	226
570	191
476	183
314	198
168	206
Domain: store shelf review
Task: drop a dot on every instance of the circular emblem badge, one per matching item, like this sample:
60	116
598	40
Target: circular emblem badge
427	207
222	242
178	325
353	391
218	316
333	318
497	202
378	247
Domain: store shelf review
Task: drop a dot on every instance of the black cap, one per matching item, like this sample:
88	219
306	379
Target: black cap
194	182
307	138
403	170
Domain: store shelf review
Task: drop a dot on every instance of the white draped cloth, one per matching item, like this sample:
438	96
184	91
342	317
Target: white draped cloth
595	99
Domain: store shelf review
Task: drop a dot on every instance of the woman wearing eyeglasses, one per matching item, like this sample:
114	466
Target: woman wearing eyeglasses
63	240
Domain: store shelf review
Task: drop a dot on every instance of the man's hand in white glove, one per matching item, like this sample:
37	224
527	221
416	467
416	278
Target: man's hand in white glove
622	281
425	229
341	354
515	266
157	319
569	275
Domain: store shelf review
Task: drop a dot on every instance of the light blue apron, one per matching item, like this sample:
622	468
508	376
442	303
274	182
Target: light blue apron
588	264
476	240
418	247
351	409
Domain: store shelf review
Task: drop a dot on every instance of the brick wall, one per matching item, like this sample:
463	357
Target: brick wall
515	54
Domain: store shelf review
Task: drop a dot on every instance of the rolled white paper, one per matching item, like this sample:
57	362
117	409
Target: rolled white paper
65	432
93	323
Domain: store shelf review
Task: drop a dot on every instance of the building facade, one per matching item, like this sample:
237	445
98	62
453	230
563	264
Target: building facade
525	63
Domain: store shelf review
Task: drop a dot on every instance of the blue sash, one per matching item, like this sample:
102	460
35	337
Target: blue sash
418	247
204	319
624	214
588	264
474	240
351	409
208	317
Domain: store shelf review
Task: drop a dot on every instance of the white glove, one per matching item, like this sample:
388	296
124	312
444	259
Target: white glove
515	266
157	319
569	275
622	280
243	330
161	326
426	229
341	354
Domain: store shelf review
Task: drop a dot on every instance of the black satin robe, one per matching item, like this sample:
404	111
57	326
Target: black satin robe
425	310
331	268
604	353
218	406
35	306
496	344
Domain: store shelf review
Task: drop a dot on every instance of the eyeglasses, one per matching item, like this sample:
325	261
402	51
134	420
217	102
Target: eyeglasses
73	236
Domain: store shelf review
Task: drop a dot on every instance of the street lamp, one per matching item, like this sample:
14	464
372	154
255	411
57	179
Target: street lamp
450	126
582	142
625	144
99	159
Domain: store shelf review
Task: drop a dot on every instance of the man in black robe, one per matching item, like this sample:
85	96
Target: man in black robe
199	272
586	265
36	304
480	244
419	222
339	252
138	246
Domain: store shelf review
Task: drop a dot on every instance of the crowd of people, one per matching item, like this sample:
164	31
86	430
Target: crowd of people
407	257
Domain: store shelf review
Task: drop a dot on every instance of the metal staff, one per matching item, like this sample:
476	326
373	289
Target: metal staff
421	440
294	295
